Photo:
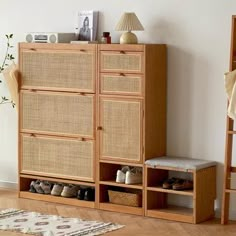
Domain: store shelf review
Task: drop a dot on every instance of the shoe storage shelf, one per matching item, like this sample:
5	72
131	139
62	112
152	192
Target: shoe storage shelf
57	117
199	200
131	120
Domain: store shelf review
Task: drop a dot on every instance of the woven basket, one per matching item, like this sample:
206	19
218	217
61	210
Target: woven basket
123	198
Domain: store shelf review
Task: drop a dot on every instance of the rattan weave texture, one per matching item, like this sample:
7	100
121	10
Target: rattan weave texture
121	129
58	113
59	70
63	157
121	62
121	84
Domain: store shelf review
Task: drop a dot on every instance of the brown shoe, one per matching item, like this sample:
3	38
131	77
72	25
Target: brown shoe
168	183
183	184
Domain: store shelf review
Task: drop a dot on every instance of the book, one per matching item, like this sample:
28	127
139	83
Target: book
83	42
87	25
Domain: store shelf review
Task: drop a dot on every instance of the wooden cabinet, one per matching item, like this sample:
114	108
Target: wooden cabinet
88	110
132	117
57	118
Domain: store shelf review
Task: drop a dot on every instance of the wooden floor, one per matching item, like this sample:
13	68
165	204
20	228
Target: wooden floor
134	225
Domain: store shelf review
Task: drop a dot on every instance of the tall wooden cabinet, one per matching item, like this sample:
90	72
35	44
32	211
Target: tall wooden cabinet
88	110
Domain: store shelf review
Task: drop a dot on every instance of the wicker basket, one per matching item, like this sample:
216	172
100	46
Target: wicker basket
124	198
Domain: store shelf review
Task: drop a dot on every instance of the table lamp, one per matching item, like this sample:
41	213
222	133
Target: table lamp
129	21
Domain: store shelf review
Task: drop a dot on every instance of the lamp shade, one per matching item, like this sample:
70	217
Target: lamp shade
129	21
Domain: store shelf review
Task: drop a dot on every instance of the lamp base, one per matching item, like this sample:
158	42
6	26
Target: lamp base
128	38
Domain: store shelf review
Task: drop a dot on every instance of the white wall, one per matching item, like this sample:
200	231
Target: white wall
198	37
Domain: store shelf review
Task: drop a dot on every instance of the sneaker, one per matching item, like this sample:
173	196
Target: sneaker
81	193
134	176
46	187
37	187
89	194
70	191
120	174
32	189
57	189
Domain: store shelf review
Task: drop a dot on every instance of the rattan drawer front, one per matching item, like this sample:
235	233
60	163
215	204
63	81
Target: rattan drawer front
59	70
120	136
58	113
121	61
65	158
121	84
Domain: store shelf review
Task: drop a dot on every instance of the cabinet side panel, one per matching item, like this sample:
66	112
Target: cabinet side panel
155	100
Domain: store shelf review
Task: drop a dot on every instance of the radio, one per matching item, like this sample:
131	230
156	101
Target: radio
50	37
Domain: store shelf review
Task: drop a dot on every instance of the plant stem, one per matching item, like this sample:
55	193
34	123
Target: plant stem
4	61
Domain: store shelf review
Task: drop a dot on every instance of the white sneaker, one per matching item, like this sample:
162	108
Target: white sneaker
134	176
120	174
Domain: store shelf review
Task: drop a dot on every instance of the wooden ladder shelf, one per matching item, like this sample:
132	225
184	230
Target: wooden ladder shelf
228	168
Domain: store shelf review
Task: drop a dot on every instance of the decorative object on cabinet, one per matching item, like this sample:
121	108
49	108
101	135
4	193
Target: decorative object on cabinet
129	22
202	196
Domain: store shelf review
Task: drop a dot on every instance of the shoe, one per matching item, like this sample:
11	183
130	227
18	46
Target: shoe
168	183
120	174
57	189
37	187
89	194
32	189
183	184
134	176
70	191
46	187
81	193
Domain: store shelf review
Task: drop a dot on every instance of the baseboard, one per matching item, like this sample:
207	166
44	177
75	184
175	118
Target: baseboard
7	184
232	214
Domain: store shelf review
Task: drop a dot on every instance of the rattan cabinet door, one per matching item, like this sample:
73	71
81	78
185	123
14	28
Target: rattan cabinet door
57	157
121	129
121	61
58	70
64	114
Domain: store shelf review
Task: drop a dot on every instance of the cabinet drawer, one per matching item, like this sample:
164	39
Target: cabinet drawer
57	113
58	157
58	70
121	84
121	61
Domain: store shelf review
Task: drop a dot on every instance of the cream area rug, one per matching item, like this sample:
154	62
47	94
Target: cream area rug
51	225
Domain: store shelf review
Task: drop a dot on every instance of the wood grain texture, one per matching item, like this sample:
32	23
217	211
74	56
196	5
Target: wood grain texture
134	225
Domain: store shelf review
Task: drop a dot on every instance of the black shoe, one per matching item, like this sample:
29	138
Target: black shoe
89	194
81	193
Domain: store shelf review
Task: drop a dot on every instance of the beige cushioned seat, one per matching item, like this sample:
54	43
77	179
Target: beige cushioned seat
180	162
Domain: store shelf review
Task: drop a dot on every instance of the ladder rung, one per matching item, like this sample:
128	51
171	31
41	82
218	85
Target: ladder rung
231	131
230	190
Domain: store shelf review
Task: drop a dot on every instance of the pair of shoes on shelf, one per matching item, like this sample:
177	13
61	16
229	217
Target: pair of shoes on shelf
129	176
42	187
177	184
86	193
64	190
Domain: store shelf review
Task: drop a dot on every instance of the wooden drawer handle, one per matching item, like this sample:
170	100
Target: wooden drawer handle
81	93
99	128
122	74
32	135
82	50
122	52
33	49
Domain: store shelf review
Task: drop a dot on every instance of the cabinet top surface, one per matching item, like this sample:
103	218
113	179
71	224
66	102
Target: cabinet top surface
134	47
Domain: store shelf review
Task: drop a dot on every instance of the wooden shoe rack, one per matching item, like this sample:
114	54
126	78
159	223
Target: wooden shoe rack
86	110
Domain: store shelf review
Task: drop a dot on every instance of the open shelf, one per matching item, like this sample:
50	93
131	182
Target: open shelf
171	212
121	208
56	199
160	189
114	183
